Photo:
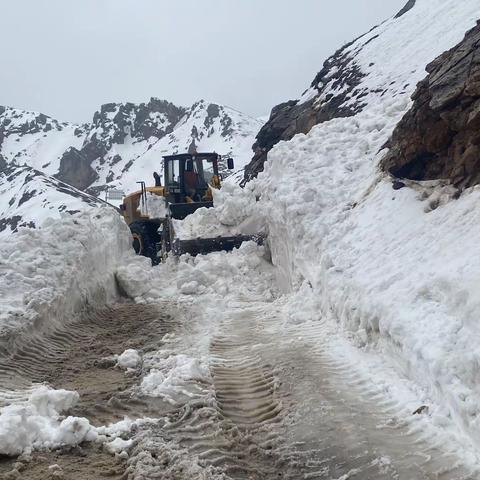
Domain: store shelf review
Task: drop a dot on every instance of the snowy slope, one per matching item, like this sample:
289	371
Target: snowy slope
28	197
401	278
33	139
212	127
125	141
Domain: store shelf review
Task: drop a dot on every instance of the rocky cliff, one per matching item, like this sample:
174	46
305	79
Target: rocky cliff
439	137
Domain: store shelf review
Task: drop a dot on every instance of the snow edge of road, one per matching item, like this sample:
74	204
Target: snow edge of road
51	273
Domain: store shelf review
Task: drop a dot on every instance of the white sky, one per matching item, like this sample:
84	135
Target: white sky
67	57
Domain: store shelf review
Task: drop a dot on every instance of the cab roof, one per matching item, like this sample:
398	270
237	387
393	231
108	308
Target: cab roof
187	156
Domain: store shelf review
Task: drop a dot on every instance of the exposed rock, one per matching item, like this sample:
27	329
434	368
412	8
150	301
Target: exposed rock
14	222
326	99
76	169
3	164
439	138
410	4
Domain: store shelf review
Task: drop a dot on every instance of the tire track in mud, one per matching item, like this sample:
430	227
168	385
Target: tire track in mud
235	433
244	388
340	425
74	356
228	433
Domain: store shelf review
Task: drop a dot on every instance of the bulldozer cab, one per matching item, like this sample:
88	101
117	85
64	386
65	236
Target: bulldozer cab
188	181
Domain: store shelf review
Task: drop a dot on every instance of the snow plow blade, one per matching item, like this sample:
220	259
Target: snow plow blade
202	246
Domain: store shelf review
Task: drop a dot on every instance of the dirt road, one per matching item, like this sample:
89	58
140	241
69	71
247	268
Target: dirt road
277	406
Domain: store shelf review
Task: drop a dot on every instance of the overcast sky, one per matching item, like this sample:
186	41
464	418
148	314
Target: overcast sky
67	57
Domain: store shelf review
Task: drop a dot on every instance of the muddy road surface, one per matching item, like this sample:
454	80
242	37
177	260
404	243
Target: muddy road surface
275	404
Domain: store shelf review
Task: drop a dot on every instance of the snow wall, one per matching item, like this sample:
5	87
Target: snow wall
401	275
49	274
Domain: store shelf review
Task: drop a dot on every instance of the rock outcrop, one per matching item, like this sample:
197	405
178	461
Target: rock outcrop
340	74
439	138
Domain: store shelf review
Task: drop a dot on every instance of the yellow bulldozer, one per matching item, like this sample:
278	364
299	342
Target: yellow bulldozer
188	182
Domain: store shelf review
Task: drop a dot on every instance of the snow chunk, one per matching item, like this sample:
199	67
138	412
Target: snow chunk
118	445
176	375
37	424
129	359
233	214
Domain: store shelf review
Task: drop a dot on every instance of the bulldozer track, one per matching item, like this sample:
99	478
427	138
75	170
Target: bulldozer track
75	356
244	388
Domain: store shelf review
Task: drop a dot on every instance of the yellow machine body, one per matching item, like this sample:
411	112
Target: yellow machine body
131	209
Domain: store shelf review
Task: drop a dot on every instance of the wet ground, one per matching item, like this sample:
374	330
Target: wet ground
279	405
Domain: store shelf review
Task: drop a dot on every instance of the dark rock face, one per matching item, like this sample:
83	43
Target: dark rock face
410	4
3	164
439	138
76	170
340	73
111	125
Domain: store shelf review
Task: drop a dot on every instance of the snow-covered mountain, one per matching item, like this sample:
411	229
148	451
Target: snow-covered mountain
28	197
124	144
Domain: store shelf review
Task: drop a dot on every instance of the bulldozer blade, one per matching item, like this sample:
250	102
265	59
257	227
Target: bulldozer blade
202	246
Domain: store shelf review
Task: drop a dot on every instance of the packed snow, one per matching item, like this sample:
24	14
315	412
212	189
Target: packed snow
50	273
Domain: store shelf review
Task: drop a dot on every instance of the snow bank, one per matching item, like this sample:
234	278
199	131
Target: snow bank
48	274
401	277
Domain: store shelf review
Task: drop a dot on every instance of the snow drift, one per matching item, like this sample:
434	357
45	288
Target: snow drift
49	274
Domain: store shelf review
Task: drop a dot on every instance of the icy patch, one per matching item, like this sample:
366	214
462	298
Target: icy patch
129	359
